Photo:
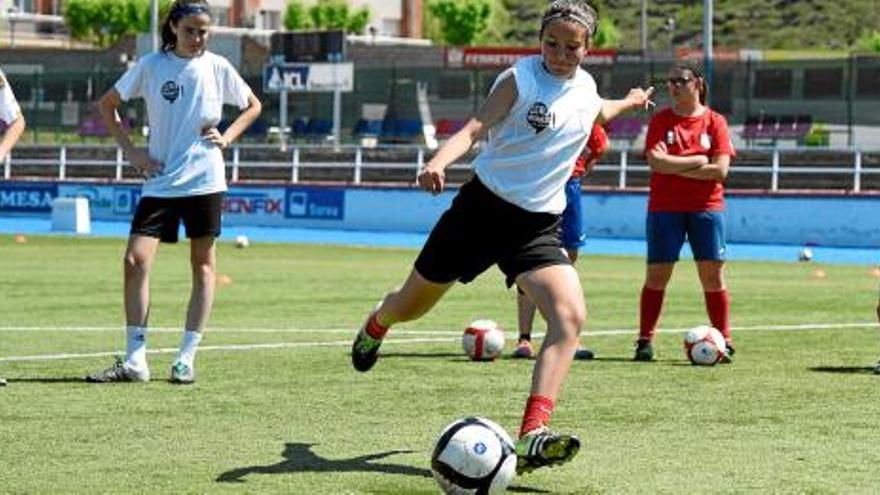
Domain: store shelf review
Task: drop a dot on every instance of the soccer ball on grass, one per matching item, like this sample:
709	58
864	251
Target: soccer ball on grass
473	456
704	346
483	340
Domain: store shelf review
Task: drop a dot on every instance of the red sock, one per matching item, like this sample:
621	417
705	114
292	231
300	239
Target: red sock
374	329
718	307
649	312
538	411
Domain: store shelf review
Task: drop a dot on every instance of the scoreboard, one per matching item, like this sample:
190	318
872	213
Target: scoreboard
309	46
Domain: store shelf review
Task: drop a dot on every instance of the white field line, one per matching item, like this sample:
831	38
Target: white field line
442	336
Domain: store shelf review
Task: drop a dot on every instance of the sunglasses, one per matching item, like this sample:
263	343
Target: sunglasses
679	81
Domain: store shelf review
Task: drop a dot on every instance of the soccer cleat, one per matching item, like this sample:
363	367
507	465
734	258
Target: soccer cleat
364	351
182	373
584	354
2	382
730	349
524	350
120	372
644	351
540	447
727	355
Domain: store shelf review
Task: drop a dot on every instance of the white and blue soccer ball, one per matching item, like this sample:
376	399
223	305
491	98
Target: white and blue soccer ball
704	346
473	456
242	241
806	254
483	340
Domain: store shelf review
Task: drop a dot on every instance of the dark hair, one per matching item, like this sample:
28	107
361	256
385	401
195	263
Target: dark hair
577	11
180	9
697	70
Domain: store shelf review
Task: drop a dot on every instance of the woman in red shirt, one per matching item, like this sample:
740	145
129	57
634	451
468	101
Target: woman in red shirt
688	149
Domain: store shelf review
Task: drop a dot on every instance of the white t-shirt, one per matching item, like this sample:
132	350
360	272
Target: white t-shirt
184	96
531	153
9	109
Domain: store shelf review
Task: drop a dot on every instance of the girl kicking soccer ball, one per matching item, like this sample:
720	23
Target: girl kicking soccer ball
538	116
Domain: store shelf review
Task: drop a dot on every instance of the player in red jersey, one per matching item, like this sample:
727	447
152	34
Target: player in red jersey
688	149
573	237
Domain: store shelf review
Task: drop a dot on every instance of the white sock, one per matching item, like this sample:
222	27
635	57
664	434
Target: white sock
188	345
136	346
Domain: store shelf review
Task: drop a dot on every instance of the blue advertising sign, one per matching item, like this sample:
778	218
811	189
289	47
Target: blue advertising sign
260	203
320	204
125	200
27	198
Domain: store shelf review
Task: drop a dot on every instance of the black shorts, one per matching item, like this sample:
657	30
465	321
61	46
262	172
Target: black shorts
160	217
480	229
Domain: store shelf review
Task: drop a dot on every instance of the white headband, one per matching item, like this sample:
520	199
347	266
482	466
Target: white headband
574	16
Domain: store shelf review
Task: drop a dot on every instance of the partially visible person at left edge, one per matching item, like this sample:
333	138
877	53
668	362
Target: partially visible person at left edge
10	115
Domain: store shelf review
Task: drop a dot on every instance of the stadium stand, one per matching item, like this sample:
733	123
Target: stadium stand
318	129
774	128
400	130
367	128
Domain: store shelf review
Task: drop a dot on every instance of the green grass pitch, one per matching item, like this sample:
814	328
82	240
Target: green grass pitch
277	407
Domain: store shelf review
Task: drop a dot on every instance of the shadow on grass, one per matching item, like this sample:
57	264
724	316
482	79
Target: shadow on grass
63	379
422	355
850	370
600	359
298	457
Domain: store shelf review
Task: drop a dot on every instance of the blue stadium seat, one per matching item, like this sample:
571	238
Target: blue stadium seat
298	128
258	129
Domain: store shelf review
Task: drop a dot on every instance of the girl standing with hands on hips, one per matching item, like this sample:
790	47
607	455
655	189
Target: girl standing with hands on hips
184	87
538	116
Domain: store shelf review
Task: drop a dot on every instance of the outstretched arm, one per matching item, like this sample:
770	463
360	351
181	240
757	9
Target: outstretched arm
635	99
432	177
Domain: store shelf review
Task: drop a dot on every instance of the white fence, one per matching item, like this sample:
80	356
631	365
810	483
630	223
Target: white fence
848	163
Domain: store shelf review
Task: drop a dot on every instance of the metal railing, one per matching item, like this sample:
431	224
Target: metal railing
848	164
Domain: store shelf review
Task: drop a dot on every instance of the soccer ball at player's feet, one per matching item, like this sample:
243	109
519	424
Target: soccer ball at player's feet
644	351
482	340
473	455
705	346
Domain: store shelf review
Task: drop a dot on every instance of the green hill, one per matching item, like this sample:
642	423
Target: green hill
759	24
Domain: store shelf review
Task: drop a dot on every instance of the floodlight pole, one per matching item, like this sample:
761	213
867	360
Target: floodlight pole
154	25
708	46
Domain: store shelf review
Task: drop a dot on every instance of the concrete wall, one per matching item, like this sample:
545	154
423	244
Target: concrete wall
827	220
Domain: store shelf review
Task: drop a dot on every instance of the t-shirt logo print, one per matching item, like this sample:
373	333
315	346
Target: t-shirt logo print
170	91
539	118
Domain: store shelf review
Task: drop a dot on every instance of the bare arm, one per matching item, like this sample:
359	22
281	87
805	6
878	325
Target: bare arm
244	119
714	170
662	162
635	99
432	177
139	158
13	133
